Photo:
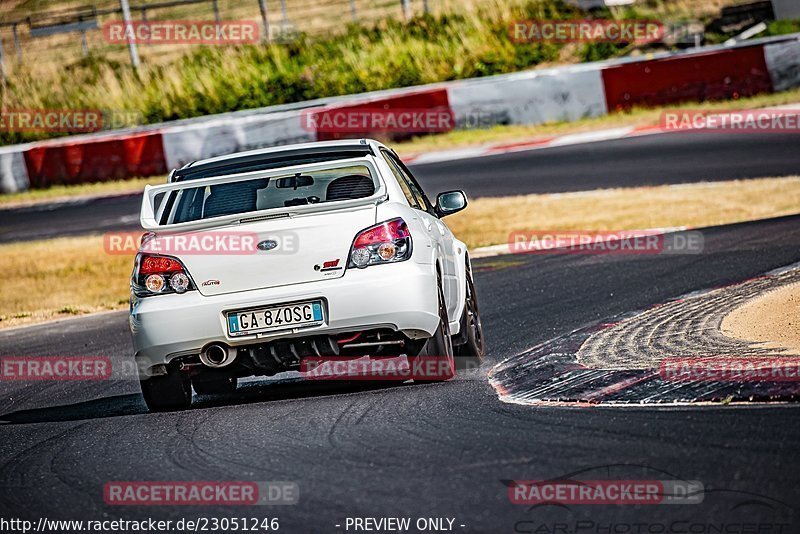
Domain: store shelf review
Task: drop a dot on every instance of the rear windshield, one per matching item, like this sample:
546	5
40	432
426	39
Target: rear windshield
295	189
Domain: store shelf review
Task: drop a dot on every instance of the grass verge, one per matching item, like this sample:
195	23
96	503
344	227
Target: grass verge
60	278
58	193
457	43
70	276
488	221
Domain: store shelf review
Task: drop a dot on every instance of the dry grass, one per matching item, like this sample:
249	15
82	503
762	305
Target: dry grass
488	221
332	57
59	278
69	276
70	192
310	16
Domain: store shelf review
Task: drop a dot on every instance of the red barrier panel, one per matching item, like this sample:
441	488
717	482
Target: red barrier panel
716	75
100	160
423	111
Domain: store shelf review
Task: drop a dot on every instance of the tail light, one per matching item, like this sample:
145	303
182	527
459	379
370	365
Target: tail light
159	275
387	242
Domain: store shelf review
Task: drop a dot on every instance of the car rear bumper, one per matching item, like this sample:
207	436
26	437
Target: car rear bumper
399	296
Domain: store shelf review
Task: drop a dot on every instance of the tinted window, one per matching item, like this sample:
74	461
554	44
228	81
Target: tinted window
413	201
310	187
411	183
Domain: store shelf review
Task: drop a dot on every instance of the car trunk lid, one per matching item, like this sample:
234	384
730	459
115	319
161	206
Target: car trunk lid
267	252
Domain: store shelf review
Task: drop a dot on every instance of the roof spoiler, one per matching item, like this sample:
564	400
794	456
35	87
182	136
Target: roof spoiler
249	162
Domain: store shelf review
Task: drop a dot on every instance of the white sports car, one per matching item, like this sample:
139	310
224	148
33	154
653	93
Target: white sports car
253	261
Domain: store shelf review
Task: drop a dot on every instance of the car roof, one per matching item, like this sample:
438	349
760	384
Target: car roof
273	157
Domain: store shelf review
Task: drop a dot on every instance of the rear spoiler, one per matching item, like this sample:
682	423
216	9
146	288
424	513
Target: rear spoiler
260	160
151	211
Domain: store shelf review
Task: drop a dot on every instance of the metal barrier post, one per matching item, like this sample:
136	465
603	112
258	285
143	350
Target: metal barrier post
262	4
16	42
283	14
215	7
2	62
353	10
126	17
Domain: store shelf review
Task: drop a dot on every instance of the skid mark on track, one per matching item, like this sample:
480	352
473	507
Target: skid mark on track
22	472
617	361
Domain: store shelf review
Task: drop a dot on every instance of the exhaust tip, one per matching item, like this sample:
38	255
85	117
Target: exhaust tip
217	355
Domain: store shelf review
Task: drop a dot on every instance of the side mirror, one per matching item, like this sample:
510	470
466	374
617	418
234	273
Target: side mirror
450	202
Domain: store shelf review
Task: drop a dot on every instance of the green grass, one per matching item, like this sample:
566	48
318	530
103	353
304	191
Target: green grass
781	27
385	54
215	79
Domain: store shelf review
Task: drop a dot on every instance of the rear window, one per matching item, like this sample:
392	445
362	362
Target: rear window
292	189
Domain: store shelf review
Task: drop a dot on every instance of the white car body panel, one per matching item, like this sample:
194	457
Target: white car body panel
401	296
309	240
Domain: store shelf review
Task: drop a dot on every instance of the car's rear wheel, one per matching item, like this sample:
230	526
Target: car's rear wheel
217	385
172	391
470	354
434	362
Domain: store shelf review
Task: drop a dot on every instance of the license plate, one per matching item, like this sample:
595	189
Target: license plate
243	323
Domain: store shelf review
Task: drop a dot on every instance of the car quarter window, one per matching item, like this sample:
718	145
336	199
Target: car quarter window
408	182
401	179
415	187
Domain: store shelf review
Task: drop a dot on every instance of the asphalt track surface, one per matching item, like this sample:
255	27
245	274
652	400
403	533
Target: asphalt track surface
636	161
437	450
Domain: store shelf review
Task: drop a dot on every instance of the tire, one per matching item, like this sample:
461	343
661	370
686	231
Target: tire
471	353
437	349
172	391
219	385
